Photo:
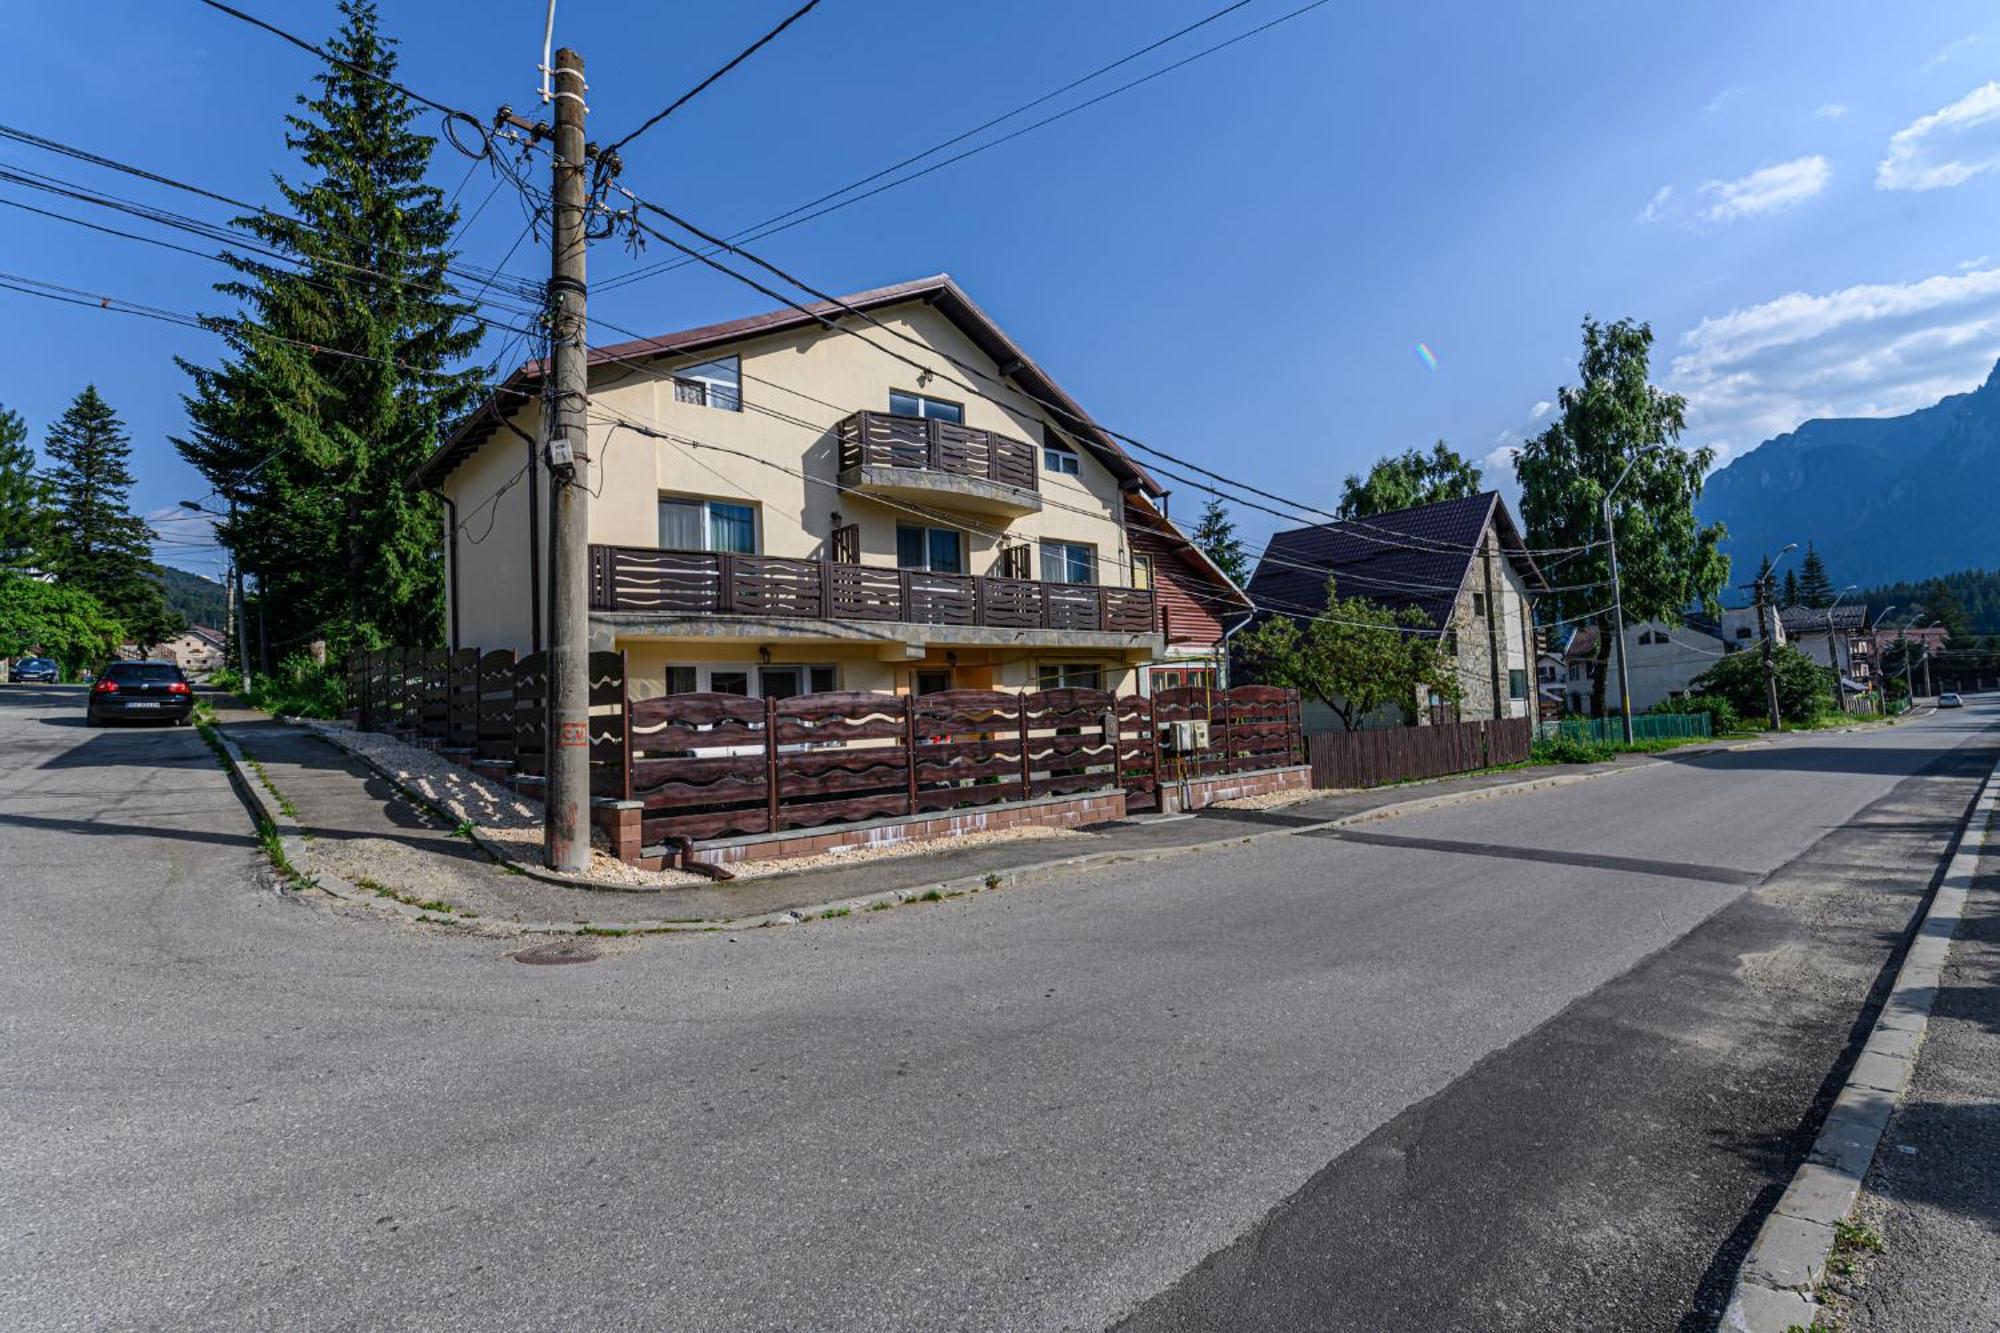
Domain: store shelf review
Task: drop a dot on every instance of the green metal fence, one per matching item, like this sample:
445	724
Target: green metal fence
1645	727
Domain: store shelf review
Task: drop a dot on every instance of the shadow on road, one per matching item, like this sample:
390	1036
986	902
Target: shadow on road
111	828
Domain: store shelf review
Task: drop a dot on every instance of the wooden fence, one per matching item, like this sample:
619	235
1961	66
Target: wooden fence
709	765
1371	758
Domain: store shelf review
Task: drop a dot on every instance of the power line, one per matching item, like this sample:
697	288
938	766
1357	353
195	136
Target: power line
708	82
791	217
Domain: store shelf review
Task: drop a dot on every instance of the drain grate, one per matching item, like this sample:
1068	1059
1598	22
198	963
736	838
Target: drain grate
559	951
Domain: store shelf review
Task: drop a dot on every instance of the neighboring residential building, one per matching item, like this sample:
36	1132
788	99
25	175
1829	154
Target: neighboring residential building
778	508
1662	660
198	650
1837	639
1460	562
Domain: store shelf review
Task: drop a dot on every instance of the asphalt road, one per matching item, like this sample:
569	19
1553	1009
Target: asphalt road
1041	1108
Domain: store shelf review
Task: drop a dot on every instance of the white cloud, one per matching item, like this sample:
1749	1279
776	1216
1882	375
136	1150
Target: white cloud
1950	49
1721	99
1831	110
1540	410
1768	189
1656	205
1874	349
1948	147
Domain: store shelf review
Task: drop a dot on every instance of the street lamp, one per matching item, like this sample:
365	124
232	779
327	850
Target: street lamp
239	612
1764	581
1832	656
1618	593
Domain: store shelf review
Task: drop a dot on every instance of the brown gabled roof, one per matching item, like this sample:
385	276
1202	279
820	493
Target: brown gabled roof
939	291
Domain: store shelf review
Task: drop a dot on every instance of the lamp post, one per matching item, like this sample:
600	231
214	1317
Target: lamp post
238	612
1618	595
1764	580
1874	634
1832	656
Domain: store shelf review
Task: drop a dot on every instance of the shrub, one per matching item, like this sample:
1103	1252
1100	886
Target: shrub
1722	714
1562	749
1804	687
302	687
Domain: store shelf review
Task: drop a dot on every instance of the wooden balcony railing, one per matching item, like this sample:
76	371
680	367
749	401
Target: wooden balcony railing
712	583
877	439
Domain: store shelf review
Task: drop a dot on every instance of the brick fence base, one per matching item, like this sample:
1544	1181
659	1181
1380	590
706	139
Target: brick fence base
1200	793
1045	812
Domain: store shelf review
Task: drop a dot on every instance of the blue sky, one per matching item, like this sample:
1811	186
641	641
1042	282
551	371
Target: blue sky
1236	261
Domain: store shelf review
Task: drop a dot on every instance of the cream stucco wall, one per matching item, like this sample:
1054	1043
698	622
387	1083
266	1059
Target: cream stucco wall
780	455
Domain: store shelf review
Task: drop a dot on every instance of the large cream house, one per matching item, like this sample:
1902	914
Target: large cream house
780	507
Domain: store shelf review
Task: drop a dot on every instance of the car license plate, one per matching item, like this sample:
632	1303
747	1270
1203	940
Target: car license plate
145	703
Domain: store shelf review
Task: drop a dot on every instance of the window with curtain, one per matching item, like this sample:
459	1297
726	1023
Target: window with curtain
717	383
936	550
708	525
1069	562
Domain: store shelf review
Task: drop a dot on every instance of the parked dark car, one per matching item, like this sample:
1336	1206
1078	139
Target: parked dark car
33	670
140	691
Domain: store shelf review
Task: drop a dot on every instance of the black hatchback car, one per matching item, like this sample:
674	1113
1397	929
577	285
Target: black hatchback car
140	691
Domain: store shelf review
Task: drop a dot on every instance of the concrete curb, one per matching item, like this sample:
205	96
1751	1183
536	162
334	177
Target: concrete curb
1774	1288
1034	872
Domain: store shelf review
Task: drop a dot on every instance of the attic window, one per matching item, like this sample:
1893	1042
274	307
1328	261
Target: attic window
717	383
1057	455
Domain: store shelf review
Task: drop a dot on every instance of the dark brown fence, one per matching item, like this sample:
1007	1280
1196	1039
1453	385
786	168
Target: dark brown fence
708	765
1371	758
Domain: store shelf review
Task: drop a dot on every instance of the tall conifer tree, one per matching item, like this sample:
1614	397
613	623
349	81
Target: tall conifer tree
94	543
24	495
1815	588
313	437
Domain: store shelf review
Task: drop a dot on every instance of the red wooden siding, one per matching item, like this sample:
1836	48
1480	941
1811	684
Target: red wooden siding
1184	592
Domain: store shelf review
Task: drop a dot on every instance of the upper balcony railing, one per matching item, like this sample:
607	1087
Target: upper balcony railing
714	583
878	439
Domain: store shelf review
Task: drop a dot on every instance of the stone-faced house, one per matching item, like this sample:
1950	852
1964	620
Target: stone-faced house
1462	563
777	508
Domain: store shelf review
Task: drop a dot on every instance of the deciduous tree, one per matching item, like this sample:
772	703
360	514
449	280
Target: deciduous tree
57	620
1402	481
1354	658
1669	562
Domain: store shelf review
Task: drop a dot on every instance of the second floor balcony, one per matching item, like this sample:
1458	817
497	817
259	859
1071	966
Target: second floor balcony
938	461
701	584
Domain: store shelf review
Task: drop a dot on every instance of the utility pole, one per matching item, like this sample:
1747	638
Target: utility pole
566	831
1618	619
1770	664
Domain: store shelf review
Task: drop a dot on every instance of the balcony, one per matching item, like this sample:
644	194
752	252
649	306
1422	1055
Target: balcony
702	584
925	458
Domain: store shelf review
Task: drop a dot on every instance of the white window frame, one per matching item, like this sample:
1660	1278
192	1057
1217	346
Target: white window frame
964	556
955	412
1050	546
1096	669
1059	456
708	503
693	387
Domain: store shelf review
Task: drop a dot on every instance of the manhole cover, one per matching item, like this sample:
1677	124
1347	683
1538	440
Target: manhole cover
559	951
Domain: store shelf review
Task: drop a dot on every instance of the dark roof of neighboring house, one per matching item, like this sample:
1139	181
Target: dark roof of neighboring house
1582	644
1409	557
1812	620
939	291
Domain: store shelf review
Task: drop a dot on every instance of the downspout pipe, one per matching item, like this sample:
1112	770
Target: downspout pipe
451	563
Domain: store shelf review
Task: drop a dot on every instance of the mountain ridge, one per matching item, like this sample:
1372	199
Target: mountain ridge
1883	499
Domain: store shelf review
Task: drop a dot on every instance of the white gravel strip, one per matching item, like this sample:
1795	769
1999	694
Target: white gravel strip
512	823
1276	800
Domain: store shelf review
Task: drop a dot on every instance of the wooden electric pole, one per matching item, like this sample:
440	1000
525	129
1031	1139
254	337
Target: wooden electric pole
1764	629
566	832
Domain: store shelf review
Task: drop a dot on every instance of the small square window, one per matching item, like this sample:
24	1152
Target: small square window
680	680
715	384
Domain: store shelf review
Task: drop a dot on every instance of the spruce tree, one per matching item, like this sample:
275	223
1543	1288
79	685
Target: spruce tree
1815	588
24	496
1215	536
1790	596
95	543
312	437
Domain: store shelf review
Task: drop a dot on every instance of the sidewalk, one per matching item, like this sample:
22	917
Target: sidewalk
365	830
1933	1195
